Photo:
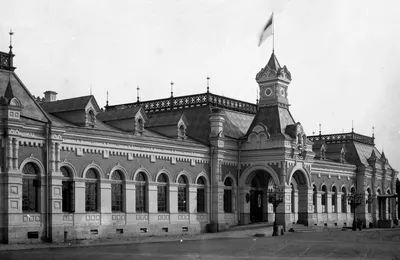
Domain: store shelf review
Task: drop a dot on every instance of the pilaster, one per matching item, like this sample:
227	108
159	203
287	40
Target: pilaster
283	211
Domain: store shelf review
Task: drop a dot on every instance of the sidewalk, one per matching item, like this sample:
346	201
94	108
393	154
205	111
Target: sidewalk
234	233
248	231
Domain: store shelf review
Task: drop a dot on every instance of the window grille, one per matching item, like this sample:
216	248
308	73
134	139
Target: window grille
141	205
200	195
228	196
182	194
91	192
162	195
116	192
30	188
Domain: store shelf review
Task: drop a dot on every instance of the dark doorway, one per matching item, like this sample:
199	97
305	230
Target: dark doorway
256	206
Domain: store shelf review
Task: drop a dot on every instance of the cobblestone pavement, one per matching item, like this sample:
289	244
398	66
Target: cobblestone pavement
240	244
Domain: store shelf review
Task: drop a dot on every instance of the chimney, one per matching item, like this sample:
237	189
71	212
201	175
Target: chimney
50	96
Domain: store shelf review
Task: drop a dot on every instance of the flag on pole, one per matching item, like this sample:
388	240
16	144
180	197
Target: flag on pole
267	30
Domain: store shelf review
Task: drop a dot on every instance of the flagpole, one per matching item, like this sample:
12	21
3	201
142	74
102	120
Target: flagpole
273	33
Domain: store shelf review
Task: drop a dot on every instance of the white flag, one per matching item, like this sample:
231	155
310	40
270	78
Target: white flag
267	30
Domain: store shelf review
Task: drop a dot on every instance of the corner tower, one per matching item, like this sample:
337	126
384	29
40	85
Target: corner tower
273	81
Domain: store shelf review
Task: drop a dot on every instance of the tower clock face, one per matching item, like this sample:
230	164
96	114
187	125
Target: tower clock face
282	91
268	92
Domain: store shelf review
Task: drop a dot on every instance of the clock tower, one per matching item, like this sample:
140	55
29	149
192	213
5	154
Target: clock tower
273	81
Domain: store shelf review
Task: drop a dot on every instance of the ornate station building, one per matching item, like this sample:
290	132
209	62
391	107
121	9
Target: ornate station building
72	170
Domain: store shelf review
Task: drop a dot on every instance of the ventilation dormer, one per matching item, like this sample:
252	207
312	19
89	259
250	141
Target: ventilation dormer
342	155
90	117
181	131
322	152
139	124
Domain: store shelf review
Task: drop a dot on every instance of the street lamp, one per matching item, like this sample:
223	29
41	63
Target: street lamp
355	199
275	197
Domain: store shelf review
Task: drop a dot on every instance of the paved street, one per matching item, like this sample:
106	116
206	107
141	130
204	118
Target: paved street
375	244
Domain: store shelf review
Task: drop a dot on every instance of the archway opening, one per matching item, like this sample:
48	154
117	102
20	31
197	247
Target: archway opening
258	196
299	198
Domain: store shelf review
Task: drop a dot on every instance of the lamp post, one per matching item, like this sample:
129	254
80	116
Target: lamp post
275	197
355	199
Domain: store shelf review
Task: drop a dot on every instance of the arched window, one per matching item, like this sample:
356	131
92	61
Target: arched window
344	200
228	195
30	188
117	198
201	195
182	194
369	199
68	190
315	199
141	199
162	193
334	197
91	192
352	191
292	198
323	199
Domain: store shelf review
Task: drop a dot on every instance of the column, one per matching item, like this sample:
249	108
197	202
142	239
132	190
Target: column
9	153
244	200
130	197
319	206
105	196
80	196
329	202
152	197
192	207
15	142
173	198
283	211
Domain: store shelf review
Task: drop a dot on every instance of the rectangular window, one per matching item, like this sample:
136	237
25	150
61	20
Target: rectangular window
162	198
30	190
116	198
182	200
200	201
91	197
141	198
228	201
68	196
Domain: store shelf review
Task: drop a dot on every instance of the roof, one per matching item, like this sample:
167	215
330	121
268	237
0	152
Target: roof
236	123
273	62
31	108
364	151
71	104
118	114
275	118
164	120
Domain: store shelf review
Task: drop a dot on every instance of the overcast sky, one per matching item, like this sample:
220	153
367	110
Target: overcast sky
344	56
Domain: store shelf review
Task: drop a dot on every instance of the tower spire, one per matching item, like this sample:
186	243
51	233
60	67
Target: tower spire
11	34
352	126
137	94
172	88
208	84
107	99
320	129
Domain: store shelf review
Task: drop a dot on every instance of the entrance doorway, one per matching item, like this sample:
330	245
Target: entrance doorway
256	206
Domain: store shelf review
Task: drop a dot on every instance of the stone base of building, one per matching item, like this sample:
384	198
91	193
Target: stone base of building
62	234
387	223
